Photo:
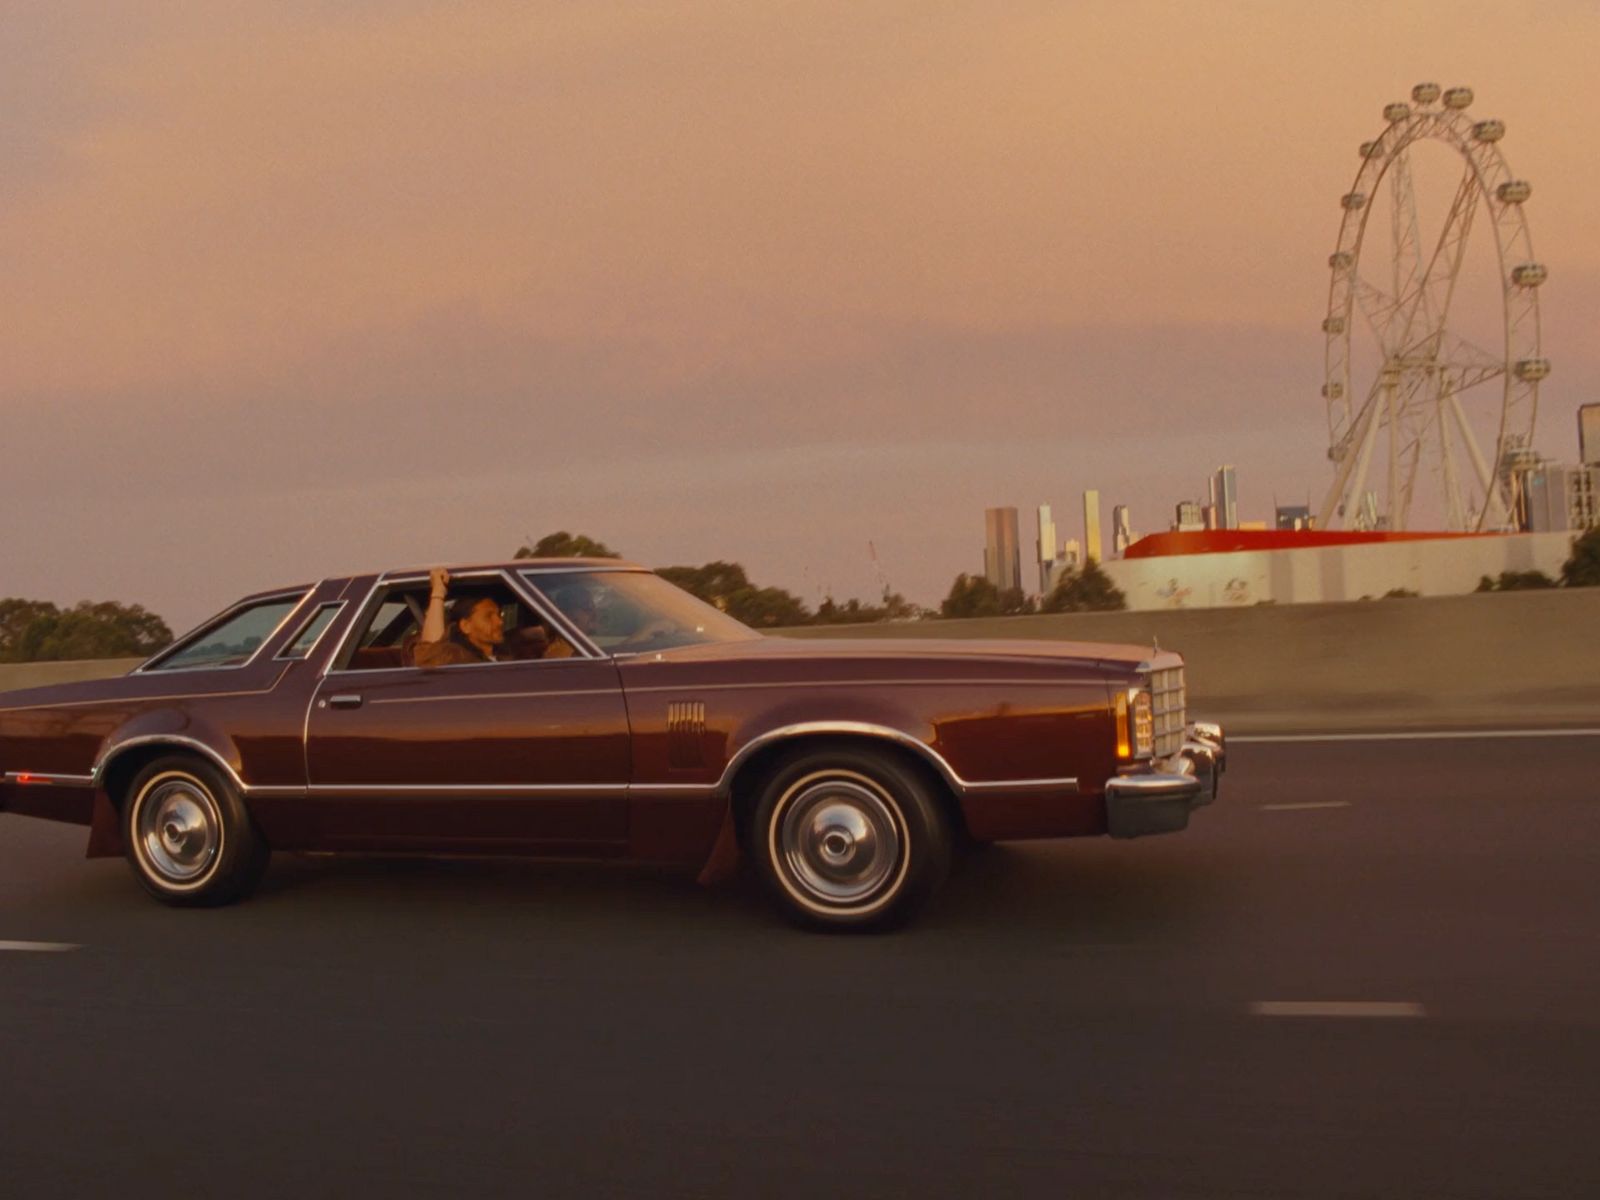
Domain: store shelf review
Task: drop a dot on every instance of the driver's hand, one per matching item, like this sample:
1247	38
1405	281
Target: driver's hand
438	582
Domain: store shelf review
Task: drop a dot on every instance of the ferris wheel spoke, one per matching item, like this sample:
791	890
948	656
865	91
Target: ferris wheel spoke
1405	236
1379	308
1453	512
1438	287
1492	507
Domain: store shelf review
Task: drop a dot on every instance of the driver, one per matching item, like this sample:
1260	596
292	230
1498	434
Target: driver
472	632
577	604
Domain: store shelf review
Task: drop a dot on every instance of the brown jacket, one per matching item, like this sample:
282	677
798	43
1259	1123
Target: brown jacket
445	653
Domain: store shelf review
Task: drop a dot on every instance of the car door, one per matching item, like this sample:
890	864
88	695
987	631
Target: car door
528	757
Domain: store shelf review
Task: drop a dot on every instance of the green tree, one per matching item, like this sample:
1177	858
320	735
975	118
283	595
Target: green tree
971	596
1087	590
728	587
17	616
894	607
1515	581
1582	569
562	544
37	631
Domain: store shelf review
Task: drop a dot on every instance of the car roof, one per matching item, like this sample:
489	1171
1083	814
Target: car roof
524	564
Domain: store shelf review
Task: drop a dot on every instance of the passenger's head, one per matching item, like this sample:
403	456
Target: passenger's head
577	604
478	619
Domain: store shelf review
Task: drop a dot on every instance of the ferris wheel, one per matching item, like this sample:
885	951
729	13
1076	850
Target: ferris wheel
1435	398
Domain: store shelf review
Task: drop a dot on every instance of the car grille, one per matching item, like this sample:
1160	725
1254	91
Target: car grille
1167	710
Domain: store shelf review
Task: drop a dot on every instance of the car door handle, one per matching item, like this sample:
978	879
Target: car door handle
347	700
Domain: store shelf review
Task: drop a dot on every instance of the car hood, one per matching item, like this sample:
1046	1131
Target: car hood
964	649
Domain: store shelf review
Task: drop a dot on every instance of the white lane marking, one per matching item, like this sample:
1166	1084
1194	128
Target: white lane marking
1337	1008
1305	804
41	947
1423	736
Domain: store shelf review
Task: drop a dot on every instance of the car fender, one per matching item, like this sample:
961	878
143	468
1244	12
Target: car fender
169	727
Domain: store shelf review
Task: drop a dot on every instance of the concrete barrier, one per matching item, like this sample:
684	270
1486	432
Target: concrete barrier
1528	659
38	674
1484	660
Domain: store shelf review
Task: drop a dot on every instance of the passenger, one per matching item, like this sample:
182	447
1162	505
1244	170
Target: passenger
577	605
472	632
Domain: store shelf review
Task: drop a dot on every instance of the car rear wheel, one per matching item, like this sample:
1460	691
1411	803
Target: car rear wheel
189	837
849	839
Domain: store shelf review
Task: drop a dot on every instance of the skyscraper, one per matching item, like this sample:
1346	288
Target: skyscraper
1189	516
1225	495
1589	435
1002	553
1046	548
1091	526
1121	530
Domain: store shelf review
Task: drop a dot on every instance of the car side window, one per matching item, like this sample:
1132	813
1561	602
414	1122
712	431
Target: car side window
388	638
233	640
311	631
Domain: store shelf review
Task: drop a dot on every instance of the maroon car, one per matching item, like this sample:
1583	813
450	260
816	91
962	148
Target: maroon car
620	718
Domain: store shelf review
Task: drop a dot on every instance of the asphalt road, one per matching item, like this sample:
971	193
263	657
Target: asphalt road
1074	1019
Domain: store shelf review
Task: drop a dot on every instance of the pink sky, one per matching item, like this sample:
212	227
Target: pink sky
309	287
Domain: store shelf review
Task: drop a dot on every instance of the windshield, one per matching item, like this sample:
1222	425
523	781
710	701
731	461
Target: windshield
625	612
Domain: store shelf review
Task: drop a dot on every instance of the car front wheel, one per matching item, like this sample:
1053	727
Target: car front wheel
189	838
849	839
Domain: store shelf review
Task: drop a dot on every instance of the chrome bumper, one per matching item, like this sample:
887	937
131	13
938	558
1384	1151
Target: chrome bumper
1157	797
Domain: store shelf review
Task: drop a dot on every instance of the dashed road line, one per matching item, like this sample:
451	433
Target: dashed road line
1304	804
1416	736
40	947
1405	1009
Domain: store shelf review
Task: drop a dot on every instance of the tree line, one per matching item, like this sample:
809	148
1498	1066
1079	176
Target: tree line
38	631
728	586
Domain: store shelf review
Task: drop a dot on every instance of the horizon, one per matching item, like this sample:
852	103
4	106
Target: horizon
314	287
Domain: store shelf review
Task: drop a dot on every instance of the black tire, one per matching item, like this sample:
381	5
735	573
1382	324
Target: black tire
849	839
189	837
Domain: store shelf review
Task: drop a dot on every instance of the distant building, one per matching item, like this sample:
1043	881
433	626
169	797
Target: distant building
1225	498
1589	435
1294	516
1555	499
1121	530
1002	552
1045	547
1189	516
1253	526
1091	525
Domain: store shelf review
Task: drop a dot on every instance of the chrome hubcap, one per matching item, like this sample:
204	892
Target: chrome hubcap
840	840
179	829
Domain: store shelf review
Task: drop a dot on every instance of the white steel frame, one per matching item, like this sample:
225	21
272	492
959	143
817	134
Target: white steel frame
1416	397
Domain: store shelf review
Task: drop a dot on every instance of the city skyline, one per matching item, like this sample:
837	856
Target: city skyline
316	288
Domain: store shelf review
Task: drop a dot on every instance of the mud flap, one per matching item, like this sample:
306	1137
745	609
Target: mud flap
105	828
724	857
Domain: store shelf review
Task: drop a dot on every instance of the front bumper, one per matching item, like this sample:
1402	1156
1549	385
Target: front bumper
1157	797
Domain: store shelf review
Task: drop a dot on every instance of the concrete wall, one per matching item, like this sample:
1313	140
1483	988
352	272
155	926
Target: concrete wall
27	675
1503	659
1447	567
1511	658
